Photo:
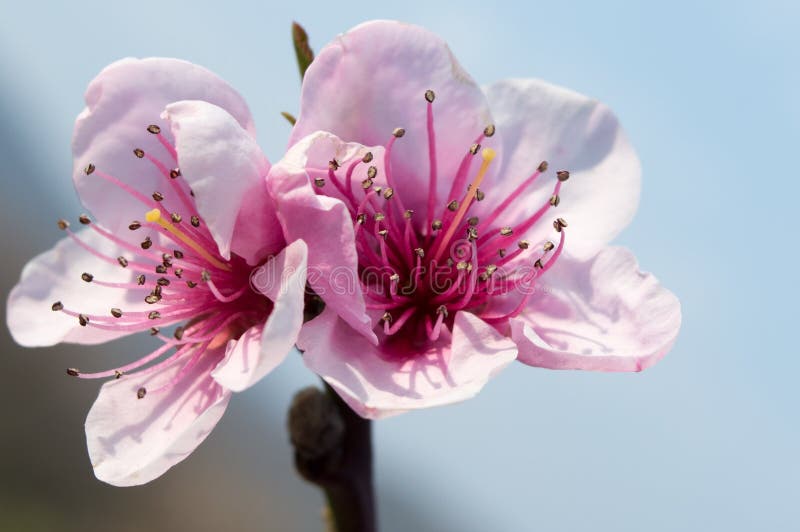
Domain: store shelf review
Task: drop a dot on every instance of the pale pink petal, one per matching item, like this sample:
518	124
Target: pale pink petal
372	79
262	347
324	223
121	102
376	385
227	172
602	314
133	441
538	121
55	275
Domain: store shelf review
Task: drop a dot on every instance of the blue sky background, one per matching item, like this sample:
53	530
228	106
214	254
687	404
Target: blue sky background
705	440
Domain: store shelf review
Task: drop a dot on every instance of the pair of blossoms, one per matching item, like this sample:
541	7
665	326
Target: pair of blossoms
417	205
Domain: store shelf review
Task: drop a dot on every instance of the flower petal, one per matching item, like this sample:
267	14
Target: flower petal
121	102
603	314
227	172
55	275
133	441
539	121
372	79
262	347
324	223
376	385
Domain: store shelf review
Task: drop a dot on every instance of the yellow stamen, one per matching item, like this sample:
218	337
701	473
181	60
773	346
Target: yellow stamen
488	155
155	216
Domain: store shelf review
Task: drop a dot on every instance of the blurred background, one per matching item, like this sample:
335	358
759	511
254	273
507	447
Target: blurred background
705	440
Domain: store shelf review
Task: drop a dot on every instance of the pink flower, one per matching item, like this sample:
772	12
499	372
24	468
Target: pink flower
439	233
166	160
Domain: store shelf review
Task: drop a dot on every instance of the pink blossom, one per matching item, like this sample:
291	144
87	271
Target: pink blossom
437	230
166	160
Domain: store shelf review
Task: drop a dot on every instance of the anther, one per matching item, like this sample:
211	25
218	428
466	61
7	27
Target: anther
388	193
555	200
361	218
84	219
118	374
63	224
559	224
408	214
176	218
505	231
151	299
87	277
523	244
178	254
372	171
453	205
73	372
462	265
161	269
367	157
387	317
490	269
562	175
501	252
89	169
141	392
154	129
479	195
191	284
383	233
489	130
154	331
436	225
146	243
178	272
441	309
117	313
163	281
379	216
158	196
543	166
134	225
548	246
195	221
205	276
157	291
178	333
472	233
175	173
138	152
83	320
319	182
122	261
474	148
333	164
473	220
538	264
419	252
399	132
140	280
57	306
430	96
394	278
154	315
366	183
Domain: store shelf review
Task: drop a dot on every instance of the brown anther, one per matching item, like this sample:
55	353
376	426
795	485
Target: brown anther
361	218
501	252
151	299
191	284
523	244
117	313
141	392
387	317
176	218
87	277
538	264
333	164
377	190
490	269
89	169
178	272
154	129
453	205
205	276
366	183
562	175
157	291
398	132
58	305
367	158
462	265
138	152
122	261
555	200
84	219
134	225
436	225
388	193
154	315
489	130
166	258
484	276
175	173
548	246
83	319
372	171
161	269
474	148
140	280
383	232
178	254
178	333
154	331
73	372
505	231
378	216
146	243
118	374
441	309
158	196
163	281
559	224
63	224
473	220
543	166
479	195
430	96
472	233
408	214
419	252
195	221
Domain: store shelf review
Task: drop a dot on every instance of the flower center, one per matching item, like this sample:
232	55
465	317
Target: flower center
176	268
419	275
